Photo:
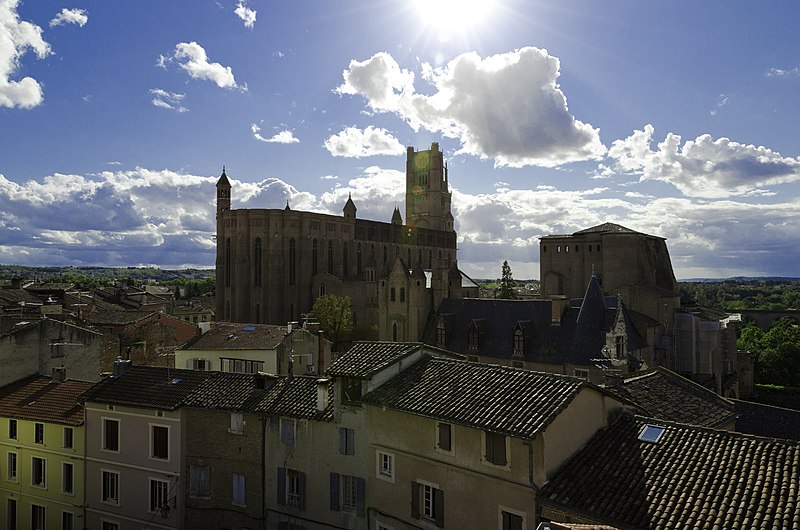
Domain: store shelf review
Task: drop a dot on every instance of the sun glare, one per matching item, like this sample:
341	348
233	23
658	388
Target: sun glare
453	16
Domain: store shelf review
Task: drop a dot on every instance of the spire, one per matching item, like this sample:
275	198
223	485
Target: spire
223	180
349	208
397	219
287	205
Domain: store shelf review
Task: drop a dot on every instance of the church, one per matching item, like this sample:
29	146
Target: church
272	264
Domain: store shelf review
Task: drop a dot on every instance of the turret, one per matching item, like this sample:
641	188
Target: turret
223	193
397	219
427	190
349	208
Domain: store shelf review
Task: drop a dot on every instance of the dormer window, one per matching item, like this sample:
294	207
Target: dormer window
519	342
441	337
472	338
619	343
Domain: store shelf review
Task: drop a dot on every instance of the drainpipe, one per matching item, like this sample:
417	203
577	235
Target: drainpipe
537	505
263	471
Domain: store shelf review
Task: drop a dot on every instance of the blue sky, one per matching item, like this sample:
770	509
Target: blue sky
677	119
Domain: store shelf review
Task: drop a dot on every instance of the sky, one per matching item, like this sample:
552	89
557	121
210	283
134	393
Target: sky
677	119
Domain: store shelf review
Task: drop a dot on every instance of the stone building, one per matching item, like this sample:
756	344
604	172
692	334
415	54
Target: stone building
272	264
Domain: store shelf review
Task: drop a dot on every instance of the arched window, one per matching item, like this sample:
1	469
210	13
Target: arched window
314	256
292	262
391	294
358	259
228	262
402	294
257	262
330	256
345	272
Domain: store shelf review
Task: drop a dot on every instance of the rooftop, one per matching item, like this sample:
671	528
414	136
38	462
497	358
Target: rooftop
40	398
239	336
368	357
149	387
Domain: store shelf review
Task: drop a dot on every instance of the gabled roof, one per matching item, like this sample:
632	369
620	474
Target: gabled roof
12	297
239	336
668	396
692	477
606	228
496	398
296	397
368	357
149	387
39	398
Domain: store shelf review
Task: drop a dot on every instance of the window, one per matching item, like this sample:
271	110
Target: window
110	487
472	338
347	441
347	493
200	482
158	494
391	294
351	388
110	435
495	448
287	431
12	467
159	442
511	521
12	429
314	256
444	437
651	433
38	517
291	488
200	364
619	344
68	437
344	260
385	466
441	336
292	262
11	514
67	521
38	433
427	502
518	364
519	342
257	269
108	525
67	478
237	423
228	262
38	472
238	496
402	294
330	256
581	374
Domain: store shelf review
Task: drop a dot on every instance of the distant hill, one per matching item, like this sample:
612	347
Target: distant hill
138	274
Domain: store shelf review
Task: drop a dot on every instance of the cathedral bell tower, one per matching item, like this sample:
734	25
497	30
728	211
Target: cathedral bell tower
427	190
223	263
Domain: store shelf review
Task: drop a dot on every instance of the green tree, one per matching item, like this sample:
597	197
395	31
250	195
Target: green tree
334	316
507	283
776	353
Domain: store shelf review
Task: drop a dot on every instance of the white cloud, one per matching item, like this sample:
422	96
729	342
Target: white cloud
192	58
70	16
247	15
16	37
779	72
168	100
282	137
357	143
507	107
703	167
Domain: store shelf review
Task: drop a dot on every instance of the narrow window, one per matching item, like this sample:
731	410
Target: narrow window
444	439
394	331
11	514
110	487
110	435
345	272
519	342
358	259
441	335
402	294
385	466
257	272
237	423
67	478
228	262
314	256
38	517
238	496
347	442
38	472
391	294
67	521
291	488
330	256
68	438
158	494
385	254
287	431
495	448
12	429
200	482
12	467
159	436
38	433
292	261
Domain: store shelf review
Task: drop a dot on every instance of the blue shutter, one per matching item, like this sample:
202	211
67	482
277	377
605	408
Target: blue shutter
351	441
342	441
360	486
335	492
281	486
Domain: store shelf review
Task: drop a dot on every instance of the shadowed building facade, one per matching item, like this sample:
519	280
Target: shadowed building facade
272	264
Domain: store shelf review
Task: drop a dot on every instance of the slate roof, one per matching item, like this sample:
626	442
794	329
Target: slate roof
368	357
668	396
12	297
767	420
40	398
239	336
296	397
692	477
148	387
497	398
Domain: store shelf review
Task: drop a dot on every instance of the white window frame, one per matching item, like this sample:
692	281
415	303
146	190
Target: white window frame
452	449
114	477
72	518
13	421
152	427
109	525
43	511
38	433
237	423
103	441
348	493
164	488
512	511
43	483
288	431
581	373
14	468
71	490
294	493
71	437
384	465
427	499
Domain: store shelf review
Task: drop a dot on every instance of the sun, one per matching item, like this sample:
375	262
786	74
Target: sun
453	16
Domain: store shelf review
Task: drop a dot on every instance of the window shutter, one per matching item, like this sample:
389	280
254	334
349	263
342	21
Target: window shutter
489	456
302	481
282	486
360	496
335	491
415	500
342	441
438	502
351	441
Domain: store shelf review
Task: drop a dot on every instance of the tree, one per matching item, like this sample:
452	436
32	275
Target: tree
507	284
776	353
334	316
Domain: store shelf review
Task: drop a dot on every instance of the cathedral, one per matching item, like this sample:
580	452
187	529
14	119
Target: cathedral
272	264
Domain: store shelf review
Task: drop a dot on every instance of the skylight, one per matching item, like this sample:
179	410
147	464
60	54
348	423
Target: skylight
651	433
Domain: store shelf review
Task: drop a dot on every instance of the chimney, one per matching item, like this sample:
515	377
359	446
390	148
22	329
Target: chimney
322	394
121	366
59	374
558	304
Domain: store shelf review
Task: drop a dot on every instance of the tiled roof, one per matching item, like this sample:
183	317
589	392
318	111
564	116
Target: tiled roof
367	357
229	391
239	336
296	397
606	228
149	387
10	297
767	420
692	478
668	396
121	316
497	398
41	398
49	286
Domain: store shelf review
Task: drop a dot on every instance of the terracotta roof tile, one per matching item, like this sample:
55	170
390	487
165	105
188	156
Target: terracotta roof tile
149	387
41	398
692	477
507	400
238	336
365	358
